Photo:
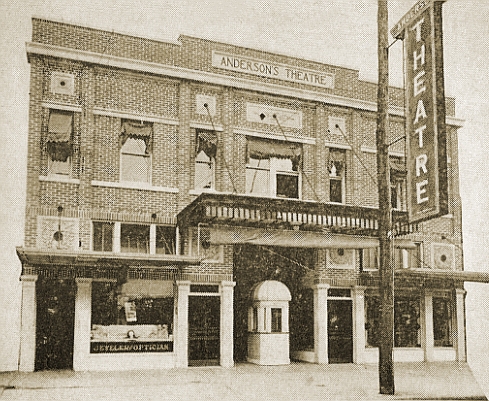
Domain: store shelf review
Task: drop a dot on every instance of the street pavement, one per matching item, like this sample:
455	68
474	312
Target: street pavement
297	381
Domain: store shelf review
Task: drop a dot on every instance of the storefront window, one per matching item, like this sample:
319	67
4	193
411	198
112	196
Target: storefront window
372	319
442	322
134	317
406	322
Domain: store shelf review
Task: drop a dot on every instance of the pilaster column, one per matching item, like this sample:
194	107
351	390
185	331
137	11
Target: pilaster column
459	335
27	355
427	336
321	322
227	340
358	293
83	315
181	328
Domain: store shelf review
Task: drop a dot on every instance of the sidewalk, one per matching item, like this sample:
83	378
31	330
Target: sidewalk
298	381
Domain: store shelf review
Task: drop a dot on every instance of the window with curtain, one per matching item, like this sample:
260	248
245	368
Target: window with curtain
336	173
398	183
136	148
205	158
59	142
273	168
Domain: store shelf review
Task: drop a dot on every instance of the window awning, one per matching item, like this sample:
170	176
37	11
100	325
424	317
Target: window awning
397	167
137	130
264	149
59	127
295	238
207	142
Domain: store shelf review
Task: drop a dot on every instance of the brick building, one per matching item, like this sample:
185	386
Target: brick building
177	192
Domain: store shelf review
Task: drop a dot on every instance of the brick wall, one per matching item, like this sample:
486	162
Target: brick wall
103	96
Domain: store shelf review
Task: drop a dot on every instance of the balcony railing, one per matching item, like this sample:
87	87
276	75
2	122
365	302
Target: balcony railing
251	211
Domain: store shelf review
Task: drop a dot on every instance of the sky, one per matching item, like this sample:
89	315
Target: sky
339	32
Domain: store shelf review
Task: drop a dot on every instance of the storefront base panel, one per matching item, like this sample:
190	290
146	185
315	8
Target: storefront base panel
371	355
444	355
304	356
129	361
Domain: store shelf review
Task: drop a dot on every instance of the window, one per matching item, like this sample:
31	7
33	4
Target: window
276	320
135	238
336	171
369	259
205	156
372	320
103	233
442	322
59	142
273	168
398	183
165	240
135	314
254	321
406	322
409	258
136	147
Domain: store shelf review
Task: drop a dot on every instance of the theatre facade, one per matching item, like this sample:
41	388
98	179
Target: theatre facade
200	203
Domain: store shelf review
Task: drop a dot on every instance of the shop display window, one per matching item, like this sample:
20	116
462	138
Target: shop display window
442	322
137	312
372	320
406	322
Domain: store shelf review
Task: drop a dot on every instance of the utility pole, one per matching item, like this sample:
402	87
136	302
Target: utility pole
386	270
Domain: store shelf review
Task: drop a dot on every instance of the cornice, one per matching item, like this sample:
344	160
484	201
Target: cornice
34	48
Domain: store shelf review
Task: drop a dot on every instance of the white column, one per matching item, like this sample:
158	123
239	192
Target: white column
261	317
116	239
27	355
181	333
227	324
285	317
459	334
83	316
152	239
427	333
358	324
321	322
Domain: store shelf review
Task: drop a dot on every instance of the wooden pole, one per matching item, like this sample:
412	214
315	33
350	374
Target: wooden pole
386	344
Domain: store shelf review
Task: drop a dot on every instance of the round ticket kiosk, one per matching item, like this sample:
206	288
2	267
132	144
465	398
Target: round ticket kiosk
268	324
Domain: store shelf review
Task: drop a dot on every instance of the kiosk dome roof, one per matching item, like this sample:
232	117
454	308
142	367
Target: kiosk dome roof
271	290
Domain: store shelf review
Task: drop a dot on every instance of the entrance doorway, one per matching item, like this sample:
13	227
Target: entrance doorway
340	331
54	324
203	330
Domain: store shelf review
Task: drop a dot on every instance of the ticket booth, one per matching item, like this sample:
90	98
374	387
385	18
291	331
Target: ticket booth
268	324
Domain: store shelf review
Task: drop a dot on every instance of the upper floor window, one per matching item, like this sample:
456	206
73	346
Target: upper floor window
205	158
408	258
135	238
398	183
337	174
59	142
273	168
165	240
103	233
136	147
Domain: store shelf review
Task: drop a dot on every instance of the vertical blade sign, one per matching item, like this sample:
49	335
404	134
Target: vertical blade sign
421	30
